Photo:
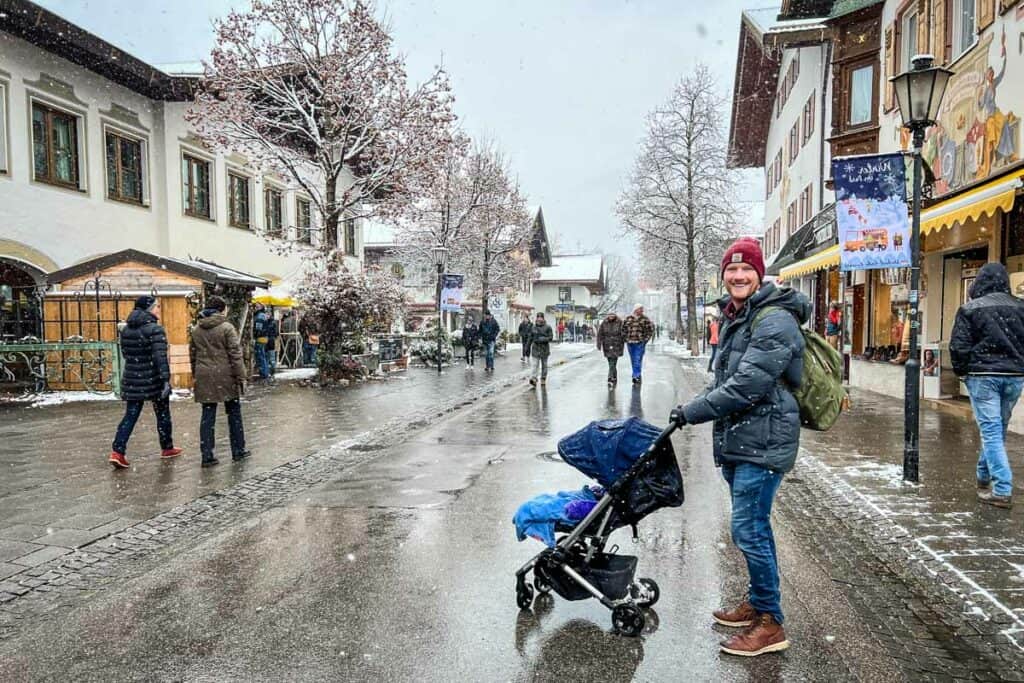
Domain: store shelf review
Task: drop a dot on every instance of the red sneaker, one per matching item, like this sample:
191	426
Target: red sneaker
118	460
169	453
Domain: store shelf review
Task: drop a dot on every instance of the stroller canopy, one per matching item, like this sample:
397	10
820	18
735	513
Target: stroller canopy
605	450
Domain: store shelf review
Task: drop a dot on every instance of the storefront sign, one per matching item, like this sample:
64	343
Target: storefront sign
871	212
389	348
451	293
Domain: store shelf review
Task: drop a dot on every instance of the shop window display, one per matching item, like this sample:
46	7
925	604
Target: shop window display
889	334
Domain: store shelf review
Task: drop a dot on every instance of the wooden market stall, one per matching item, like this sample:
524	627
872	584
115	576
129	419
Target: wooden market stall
89	300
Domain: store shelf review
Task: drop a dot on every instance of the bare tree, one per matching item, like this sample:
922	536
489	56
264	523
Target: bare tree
311	89
681	195
620	286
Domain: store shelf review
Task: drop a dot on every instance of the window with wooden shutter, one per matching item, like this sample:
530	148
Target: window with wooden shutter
922	28
890	66
939	38
986	14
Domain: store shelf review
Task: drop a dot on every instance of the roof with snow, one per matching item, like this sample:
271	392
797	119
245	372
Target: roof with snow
584	269
205	271
757	75
182	68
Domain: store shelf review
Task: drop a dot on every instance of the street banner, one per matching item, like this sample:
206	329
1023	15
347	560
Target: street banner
871	212
451	292
497	304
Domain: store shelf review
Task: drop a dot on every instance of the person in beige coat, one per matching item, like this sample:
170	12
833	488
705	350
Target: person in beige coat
219	374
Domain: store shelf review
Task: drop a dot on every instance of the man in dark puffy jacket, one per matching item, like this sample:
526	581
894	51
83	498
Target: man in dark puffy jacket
756	429
489	332
987	348
525	330
540	349
611	340
146	377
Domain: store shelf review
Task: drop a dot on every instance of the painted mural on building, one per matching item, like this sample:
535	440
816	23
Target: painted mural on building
978	134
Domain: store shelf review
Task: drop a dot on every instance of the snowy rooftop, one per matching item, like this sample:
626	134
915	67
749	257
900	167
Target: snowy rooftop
181	68
763	18
573	268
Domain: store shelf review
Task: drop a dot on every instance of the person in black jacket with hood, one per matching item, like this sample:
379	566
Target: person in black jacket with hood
756	432
146	377
987	348
525	332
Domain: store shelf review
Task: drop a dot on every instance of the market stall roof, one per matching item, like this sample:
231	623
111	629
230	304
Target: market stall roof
207	272
982	200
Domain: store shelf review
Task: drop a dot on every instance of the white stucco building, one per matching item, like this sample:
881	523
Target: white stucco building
96	157
569	288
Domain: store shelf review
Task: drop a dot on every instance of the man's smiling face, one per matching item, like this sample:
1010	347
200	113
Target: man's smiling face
741	281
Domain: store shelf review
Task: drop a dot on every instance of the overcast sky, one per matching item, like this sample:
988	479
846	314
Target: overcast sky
562	85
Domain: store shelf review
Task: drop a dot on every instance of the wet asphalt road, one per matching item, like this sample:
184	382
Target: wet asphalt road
402	570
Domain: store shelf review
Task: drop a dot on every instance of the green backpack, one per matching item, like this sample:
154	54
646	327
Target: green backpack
821	395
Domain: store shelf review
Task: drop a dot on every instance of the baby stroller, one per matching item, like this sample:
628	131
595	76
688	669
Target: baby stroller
635	463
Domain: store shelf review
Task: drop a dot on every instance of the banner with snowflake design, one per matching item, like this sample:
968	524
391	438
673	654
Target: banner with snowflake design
871	211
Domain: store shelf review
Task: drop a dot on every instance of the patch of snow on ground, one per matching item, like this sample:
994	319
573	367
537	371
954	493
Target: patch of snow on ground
294	374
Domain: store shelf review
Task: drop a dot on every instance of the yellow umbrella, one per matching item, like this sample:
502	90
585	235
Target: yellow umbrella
278	294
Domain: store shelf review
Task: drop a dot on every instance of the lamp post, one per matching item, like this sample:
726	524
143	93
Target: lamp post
704	315
440	253
919	93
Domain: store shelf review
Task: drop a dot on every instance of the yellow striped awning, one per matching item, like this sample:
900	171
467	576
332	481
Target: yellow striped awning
972	205
820	261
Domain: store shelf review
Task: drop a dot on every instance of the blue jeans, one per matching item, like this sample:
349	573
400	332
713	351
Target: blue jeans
308	354
132	411
993	398
636	357
489	355
753	491
261	359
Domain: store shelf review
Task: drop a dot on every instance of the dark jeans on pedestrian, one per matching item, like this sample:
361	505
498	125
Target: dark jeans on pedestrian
636	357
235	428
753	491
132	410
992	399
613	368
308	354
526	347
260	351
470	355
489	355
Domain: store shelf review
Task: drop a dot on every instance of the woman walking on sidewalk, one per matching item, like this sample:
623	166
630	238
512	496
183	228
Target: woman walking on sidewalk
470	340
147	377
611	340
219	373
756	430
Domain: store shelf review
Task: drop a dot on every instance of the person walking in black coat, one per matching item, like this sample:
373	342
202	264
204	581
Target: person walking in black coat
611	341
986	348
470	341
146	377
525	331
489	332
540	340
756	432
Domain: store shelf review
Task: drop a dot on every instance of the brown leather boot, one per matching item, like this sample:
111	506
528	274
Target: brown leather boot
741	615
764	636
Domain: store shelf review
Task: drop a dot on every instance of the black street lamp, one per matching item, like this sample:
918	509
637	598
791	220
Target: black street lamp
919	93
440	253
704	315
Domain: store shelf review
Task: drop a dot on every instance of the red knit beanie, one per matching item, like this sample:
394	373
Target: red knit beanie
745	250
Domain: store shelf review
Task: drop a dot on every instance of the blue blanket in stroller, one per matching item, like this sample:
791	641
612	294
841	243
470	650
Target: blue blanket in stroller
537	517
605	450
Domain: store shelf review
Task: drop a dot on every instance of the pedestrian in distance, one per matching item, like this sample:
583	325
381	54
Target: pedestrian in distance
833	324
470	340
216	356
756	430
525	330
986	348
146	377
273	330
639	331
561	331
489	332
611	341
713	328
540	349
259	333
310	340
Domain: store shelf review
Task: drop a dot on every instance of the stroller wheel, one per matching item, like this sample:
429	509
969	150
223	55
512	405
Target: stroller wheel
628	620
645	592
540	582
524	595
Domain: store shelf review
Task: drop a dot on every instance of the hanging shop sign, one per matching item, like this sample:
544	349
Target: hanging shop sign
871	212
451	292
497	304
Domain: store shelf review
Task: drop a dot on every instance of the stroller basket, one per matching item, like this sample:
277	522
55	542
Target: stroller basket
610	574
